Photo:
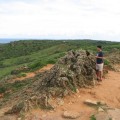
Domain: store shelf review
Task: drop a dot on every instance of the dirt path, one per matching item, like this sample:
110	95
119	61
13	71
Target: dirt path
108	91
32	74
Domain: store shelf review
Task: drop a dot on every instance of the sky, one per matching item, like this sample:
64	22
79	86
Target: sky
60	19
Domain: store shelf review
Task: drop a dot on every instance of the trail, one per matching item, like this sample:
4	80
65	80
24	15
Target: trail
32	74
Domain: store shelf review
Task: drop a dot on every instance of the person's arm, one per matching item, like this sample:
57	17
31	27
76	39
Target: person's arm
100	56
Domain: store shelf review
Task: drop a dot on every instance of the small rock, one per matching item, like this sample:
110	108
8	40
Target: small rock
102	116
90	102
43	116
102	102
19	119
33	117
100	109
113	119
115	114
60	101
65	93
71	115
77	91
52	111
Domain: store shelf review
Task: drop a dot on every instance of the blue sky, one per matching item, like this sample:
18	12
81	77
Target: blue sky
60	19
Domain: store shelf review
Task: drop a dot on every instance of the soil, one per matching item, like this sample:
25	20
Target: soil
108	91
32	74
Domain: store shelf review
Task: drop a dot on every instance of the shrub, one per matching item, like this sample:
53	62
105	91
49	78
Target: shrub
56	52
35	65
21	75
18	84
106	62
19	70
2	90
51	61
2	65
23	60
92	117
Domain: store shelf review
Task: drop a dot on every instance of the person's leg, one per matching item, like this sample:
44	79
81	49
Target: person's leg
100	75
97	71
101	71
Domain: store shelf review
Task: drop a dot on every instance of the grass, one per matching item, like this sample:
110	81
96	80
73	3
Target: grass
21	75
2	90
106	62
92	117
35	60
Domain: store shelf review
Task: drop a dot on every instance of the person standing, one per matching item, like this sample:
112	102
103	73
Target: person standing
99	63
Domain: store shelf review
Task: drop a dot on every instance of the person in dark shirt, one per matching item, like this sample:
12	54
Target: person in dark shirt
99	63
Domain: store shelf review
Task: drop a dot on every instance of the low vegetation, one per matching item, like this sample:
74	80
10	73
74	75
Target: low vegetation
38	53
92	117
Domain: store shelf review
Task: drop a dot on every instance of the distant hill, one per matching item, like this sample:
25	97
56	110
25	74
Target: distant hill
6	40
37	53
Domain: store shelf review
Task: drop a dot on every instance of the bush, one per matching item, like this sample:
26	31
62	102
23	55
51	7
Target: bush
2	65
18	84
23	60
35	65
19	70
15	72
92	117
106	62
2	90
21	75
57	51
51	61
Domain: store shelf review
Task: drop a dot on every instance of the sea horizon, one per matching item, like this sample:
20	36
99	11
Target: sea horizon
8	40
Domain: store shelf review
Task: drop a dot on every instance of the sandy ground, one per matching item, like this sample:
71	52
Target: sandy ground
32	74
108	91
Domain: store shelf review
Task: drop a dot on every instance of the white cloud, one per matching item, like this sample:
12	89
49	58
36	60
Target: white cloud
71	18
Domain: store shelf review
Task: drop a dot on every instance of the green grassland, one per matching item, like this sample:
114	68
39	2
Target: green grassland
37	53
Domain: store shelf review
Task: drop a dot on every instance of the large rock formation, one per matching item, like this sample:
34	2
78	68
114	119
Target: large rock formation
76	69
